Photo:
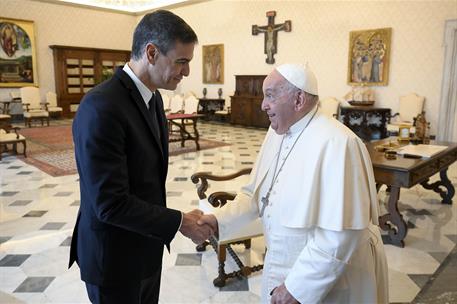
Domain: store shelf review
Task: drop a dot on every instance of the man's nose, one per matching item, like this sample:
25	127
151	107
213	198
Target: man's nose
264	105
185	70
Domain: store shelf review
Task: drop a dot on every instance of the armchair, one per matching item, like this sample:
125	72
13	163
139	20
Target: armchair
5	117
8	138
225	112
409	107
330	106
243	236
176	104
31	100
51	104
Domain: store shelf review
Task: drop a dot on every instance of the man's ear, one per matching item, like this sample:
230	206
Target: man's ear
152	52
300	100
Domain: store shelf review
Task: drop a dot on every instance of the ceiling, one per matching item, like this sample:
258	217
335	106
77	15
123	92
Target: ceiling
134	7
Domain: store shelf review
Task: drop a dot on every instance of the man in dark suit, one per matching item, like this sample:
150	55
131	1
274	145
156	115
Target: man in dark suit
121	147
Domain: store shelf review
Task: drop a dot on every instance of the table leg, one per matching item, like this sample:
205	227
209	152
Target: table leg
446	194
393	221
196	135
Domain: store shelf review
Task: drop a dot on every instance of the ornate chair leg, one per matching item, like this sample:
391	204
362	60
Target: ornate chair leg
221	256
202	246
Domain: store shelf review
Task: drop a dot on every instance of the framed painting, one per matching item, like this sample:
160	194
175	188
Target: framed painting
213	63
369	54
17	53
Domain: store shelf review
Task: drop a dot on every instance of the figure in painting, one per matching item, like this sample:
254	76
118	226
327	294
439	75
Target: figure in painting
8	39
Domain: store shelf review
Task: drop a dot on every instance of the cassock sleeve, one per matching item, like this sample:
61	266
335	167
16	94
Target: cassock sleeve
321	263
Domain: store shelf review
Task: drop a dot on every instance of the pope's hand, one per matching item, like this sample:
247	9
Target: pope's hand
209	219
189	227
282	296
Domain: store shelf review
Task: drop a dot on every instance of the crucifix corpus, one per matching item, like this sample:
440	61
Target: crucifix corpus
271	34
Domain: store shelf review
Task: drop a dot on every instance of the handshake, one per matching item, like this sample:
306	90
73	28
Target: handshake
198	226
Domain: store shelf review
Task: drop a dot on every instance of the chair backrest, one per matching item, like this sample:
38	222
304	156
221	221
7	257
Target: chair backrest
330	106
31	95
191	105
51	98
176	103
410	106
15	95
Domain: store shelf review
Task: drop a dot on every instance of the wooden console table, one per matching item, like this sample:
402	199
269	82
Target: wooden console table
208	106
366	129
405	173
179	120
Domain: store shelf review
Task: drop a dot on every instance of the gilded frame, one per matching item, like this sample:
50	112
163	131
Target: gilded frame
18	66
369	56
213	63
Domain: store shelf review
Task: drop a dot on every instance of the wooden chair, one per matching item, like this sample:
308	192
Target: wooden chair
51	105
5	117
410	106
243	236
9	138
33	108
225	113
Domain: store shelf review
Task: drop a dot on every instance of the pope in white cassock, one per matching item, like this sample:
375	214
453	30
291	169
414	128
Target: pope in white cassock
313	186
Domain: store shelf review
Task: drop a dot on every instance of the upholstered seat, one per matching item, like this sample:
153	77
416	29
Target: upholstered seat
242	236
330	106
11	138
176	104
409	107
226	112
51	104
33	108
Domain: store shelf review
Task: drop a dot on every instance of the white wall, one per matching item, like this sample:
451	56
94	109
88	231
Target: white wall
320	35
67	25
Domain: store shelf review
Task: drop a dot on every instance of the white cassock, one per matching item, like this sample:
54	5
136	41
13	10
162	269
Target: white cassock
319	226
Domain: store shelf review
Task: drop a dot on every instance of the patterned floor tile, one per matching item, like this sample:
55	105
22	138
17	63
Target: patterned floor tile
420	279
14	167
21	203
76	203
35	213
452	237
236	284
188	259
4	239
180	179
439	256
8	193
48	186
13	260
53	226
25	173
63	194
66	242
34	284
173	193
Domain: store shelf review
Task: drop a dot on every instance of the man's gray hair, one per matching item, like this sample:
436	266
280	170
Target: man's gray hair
289	88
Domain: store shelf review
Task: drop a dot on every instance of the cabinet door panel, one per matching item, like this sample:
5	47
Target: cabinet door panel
241	111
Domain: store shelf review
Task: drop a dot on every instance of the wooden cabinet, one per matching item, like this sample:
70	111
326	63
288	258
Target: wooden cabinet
247	101
78	69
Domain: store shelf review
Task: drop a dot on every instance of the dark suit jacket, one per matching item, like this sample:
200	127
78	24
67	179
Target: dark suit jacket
123	222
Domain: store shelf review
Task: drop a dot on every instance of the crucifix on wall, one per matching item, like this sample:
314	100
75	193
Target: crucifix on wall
271	34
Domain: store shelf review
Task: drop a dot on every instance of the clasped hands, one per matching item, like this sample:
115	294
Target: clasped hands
198	226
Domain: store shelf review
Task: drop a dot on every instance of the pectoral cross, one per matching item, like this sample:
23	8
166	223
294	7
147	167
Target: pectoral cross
271	34
265	201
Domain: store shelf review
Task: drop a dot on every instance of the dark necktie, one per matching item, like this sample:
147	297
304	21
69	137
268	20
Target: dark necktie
153	111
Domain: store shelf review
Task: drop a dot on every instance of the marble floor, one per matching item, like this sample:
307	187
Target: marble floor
38	212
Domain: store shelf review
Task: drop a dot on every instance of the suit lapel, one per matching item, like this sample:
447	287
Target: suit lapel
138	100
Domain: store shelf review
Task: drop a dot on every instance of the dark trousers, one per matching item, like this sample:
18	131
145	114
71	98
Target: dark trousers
142	292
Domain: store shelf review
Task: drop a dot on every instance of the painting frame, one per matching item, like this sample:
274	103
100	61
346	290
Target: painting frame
18	60
369	57
213	63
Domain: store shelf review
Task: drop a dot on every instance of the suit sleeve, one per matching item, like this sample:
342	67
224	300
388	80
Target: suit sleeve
100	142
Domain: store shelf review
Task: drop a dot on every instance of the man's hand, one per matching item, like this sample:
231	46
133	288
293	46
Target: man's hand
282	296
209	219
189	227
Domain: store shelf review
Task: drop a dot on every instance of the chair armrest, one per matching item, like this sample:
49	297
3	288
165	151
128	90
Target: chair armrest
26	106
389	117
205	176
220	198
45	105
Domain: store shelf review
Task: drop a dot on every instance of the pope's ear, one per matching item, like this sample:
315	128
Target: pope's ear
152	52
300	100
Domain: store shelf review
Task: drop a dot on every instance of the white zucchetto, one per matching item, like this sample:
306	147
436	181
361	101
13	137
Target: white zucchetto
300	76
